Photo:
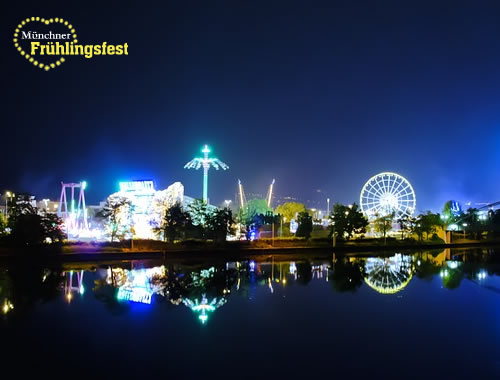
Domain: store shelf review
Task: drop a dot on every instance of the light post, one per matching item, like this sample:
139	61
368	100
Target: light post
327	206
227	202
445	228
464	225
334	235
314	213
8	195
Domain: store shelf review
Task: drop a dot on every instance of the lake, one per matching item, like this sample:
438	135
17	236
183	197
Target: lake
429	314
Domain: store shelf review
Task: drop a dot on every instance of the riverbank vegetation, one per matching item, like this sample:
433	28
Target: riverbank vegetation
200	226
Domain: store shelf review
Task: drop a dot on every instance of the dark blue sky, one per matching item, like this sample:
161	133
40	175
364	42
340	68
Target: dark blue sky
319	95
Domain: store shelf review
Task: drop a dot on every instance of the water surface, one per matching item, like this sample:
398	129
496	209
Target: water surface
428	314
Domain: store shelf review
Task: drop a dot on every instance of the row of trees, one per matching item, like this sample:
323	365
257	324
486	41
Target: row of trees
198	221
347	221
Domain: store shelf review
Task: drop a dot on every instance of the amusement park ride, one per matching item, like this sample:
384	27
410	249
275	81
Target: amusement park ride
387	193
75	219
243	199
206	163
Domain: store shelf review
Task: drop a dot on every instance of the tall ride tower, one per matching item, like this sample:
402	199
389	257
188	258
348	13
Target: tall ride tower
205	162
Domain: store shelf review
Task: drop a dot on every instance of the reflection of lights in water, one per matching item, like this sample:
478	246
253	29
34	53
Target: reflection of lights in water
270	284
388	275
481	275
139	295
444	273
7	306
136	285
206	273
203	307
69	288
317	271
252	266
293	267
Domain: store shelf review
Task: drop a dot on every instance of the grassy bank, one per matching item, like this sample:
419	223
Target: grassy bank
149	249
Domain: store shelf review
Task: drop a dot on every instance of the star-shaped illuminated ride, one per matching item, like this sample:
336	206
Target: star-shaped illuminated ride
205	163
204	306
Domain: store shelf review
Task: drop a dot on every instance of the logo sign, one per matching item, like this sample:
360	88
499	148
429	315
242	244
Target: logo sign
138	186
46	42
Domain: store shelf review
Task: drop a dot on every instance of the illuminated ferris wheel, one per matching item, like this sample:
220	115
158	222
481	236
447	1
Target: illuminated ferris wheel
386	193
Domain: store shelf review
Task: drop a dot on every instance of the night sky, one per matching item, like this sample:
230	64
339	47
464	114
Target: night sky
319	95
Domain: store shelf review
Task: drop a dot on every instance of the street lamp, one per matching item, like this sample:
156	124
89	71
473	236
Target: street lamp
327	206
8	195
227	202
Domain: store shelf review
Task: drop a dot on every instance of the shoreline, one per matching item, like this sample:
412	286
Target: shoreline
228	252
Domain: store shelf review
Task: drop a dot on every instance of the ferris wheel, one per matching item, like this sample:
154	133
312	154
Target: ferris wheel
387	193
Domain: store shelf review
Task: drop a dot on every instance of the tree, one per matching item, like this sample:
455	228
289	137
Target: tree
3	225
305	225
220	224
53	228
199	212
426	224
383	224
493	223
347	275
347	221
254	214
452	211
472	224
175	223
118	214
29	228
289	210
405	224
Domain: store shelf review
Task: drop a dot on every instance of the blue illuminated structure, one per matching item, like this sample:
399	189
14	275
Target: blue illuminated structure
139	290
140	295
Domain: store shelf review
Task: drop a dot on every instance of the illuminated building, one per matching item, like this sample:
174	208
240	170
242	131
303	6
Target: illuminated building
47	206
147	205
